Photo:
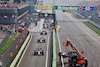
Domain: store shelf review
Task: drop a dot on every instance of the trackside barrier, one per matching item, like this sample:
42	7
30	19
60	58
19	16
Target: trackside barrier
54	50
20	51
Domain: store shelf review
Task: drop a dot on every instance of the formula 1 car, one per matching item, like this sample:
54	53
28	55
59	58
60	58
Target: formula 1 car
46	21
45	26
38	51
43	33
41	40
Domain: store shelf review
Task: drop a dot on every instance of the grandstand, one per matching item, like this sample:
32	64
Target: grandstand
13	10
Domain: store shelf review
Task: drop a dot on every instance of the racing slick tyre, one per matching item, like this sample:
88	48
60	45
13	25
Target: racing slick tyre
43	41
42	53
45	33
41	33
86	64
35	52
38	41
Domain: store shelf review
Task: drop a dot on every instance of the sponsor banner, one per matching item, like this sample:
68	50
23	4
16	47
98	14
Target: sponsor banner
16	46
44	7
26	32
20	40
68	10
86	8
67	7
23	35
11	54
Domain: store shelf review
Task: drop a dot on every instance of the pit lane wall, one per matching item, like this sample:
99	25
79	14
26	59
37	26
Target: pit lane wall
54	50
10	53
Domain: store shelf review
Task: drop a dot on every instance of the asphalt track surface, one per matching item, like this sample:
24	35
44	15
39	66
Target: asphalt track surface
29	60
81	36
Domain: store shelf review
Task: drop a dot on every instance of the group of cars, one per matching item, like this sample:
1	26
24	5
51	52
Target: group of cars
39	51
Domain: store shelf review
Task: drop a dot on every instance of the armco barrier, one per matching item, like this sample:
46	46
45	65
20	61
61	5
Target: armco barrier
54	50
20	51
11	51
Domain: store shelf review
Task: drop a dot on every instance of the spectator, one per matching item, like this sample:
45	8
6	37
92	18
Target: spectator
8	30
3	29
36	24
0	27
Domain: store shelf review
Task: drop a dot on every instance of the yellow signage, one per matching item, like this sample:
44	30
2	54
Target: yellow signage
44	7
68	10
50	15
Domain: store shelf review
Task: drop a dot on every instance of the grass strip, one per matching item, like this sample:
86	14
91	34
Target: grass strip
94	28
8	43
54	50
77	16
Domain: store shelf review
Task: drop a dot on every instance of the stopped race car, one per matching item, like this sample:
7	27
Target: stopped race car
41	40
46	21
38	51
43	33
45	25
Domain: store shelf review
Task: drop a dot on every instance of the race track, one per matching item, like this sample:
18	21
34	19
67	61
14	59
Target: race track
29	59
81	36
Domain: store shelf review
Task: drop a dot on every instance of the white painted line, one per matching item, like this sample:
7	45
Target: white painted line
60	48
46	63
24	51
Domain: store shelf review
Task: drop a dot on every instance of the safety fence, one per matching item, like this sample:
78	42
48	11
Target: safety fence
10	53
54	50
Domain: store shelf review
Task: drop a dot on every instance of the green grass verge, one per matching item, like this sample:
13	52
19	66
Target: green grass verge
21	53
54	50
8	43
15	35
94	28
77	16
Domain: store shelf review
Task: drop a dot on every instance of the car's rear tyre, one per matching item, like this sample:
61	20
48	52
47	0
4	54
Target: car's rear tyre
86	64
42	53
34	53
44	41
38	41
41	33
45	33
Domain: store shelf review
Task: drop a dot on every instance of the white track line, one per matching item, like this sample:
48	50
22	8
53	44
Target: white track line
60	48
24	51
46	63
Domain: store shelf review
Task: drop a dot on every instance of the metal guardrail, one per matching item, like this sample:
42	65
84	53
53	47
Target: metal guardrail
54	50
